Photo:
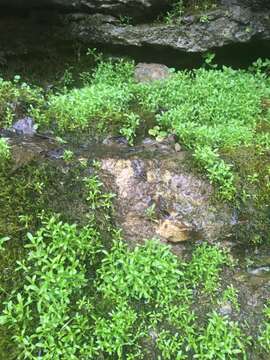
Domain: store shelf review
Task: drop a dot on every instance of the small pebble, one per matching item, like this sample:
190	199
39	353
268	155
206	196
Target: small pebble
226	309
177	147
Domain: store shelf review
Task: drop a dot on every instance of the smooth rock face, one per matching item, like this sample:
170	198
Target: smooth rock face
150	72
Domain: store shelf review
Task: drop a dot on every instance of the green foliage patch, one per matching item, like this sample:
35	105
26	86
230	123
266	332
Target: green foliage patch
70	306
211	111
53	314
17	98
264	338
5	153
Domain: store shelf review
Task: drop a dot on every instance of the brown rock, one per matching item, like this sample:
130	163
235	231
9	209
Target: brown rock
173	231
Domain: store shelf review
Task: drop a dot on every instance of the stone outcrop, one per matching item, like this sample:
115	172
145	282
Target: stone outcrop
195	33
158	197
132	25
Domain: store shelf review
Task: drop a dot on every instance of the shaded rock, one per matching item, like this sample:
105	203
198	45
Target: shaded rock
115	141
26	149
133	8
150	72
86	23
224	26
25	126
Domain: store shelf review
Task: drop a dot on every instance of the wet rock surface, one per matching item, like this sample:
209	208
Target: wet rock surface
157	196
157	193
115	26
224	26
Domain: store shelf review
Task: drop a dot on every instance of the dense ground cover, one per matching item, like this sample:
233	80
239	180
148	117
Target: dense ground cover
219	114
80	299
78	291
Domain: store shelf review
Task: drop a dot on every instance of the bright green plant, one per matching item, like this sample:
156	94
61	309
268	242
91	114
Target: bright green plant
96	197
115	334
3	241
217	170
60	312
171	346
151	212
68	155
39	314
149	272
5	153
231	294
16	97
180	7
105	96
205	267
158	133
264	338
128	130
222	339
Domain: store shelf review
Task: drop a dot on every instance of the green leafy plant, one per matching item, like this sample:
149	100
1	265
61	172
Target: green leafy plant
217	170
129	128
96	197
231	294
264	338
61	312
3	241
222	338
16	99
68	155
5	153
205	266
151	212
158	133
44	325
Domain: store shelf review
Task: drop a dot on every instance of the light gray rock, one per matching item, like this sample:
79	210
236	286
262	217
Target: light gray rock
150	72
25	126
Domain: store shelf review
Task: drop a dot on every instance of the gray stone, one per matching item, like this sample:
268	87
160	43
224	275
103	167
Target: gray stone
25	126
150	72
225	26
226	309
